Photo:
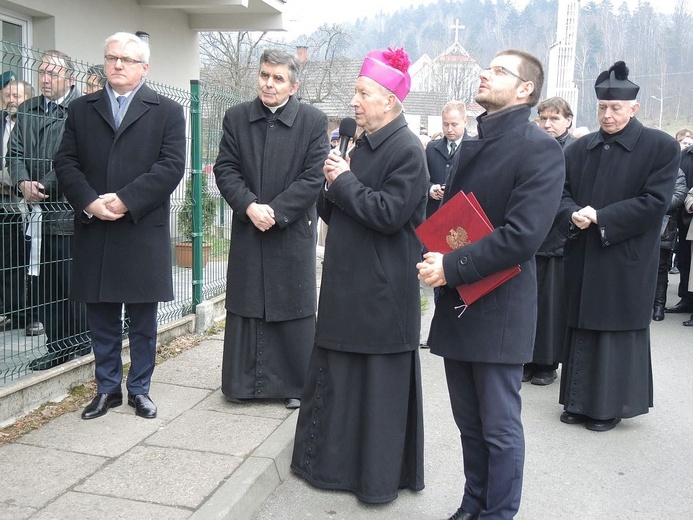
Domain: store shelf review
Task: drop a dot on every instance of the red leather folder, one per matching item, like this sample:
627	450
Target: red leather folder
460	221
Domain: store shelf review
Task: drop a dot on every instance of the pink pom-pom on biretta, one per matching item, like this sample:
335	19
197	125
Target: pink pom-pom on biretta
389	68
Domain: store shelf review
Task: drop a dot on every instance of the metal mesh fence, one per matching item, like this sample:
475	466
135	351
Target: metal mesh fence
37	319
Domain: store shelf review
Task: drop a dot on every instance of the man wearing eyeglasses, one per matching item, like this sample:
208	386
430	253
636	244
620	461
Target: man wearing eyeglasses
122	155
516	171
31	148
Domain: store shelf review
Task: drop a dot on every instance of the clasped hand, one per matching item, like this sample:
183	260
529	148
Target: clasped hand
431	270
583	218
261	215
107	207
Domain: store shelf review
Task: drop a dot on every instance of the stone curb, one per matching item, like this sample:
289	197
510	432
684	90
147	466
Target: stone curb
244	492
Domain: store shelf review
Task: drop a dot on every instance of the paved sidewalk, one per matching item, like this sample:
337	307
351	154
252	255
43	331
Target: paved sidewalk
204	458
201	458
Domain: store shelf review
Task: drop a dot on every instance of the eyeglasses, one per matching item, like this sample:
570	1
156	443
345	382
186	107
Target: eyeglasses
499	70
128	62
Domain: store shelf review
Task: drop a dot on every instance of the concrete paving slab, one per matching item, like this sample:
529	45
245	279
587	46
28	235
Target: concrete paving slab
94	507
107	436
39	475
198	368
215	432
9	511
639	470
172	400
165	476
272	408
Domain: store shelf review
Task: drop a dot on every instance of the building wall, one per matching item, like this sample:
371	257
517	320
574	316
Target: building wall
79	28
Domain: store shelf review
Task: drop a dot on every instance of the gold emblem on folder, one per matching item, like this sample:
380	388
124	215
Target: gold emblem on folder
457	238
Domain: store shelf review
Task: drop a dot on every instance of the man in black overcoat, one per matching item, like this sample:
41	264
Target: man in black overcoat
619	184
516	172
30	153
122	155
269	170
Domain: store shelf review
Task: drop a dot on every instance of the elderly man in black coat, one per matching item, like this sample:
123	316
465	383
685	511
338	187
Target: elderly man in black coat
361	423
122	155
269	171
516	172
619	183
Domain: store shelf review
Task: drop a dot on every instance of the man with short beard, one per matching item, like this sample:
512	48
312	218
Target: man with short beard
516	172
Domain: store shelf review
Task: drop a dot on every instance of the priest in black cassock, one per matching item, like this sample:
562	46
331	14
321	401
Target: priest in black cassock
360	428
269	170
619	182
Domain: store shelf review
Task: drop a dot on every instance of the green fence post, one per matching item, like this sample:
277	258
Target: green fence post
196	173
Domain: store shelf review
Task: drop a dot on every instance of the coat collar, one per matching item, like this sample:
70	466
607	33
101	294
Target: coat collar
380	136
627	138
287	116
496	124
142	99
38	102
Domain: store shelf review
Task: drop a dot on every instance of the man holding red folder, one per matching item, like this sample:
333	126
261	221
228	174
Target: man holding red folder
516	173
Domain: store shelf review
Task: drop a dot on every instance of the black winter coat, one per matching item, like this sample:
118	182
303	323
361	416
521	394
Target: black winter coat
611	268
516	171
276	160
369	296
127	260
31	149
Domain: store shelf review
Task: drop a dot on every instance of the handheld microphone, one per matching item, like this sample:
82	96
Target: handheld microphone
347	130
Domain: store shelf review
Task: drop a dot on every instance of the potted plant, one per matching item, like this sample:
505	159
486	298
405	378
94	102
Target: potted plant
185	223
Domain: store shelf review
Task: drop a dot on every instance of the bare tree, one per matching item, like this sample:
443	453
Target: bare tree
319	72
229	59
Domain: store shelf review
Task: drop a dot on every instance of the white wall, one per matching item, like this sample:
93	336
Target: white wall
79	28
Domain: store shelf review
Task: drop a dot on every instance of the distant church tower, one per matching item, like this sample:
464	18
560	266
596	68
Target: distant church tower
560	80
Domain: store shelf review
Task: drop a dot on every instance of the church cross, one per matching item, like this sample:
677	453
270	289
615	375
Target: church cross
457	28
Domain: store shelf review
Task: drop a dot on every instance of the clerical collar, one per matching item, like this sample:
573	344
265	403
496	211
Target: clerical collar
274	109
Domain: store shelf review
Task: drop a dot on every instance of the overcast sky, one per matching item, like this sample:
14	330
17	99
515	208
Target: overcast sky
304	16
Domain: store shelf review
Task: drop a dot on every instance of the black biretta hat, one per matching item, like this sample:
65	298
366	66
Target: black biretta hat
613	84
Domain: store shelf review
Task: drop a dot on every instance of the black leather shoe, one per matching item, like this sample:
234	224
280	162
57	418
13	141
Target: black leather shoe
602	426
658	312
51	360
689	322
100	405
544	378
461	514
35	328
143	405
573	418
292	403
527	373
679	308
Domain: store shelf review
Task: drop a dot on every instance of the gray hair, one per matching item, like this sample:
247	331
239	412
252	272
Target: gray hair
277	57
67	61
125	38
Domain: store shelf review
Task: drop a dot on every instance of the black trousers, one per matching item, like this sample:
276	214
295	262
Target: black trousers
65	321
486	405
107	343
13	267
